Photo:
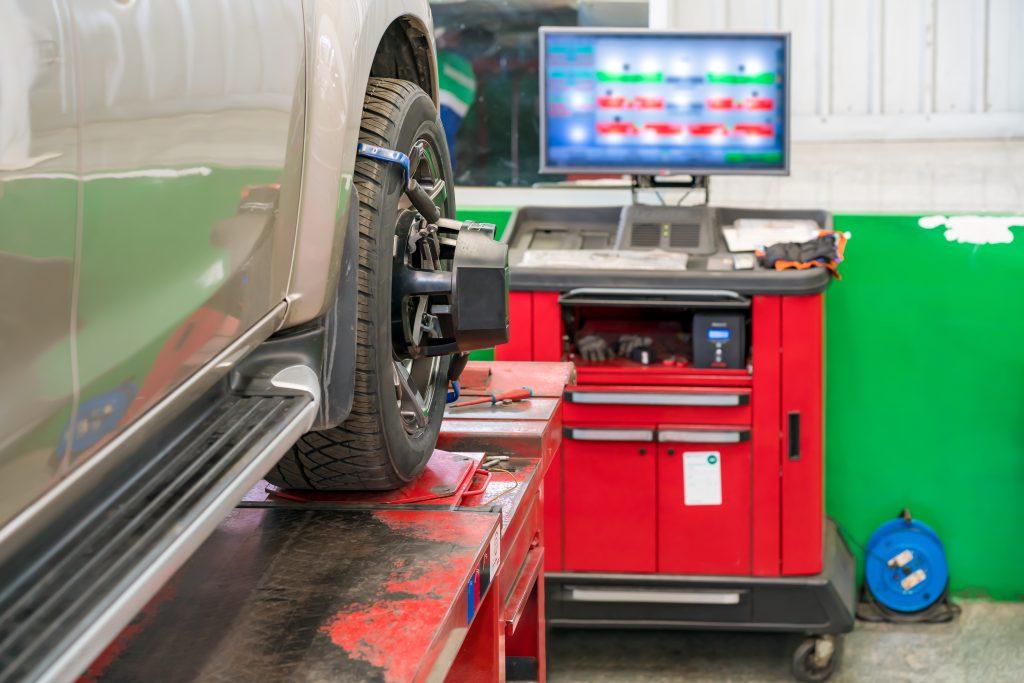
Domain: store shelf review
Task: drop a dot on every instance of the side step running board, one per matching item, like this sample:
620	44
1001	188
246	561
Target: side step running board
68	594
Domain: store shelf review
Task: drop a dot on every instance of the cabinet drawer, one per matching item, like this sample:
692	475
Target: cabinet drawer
646	405
516	544
583	600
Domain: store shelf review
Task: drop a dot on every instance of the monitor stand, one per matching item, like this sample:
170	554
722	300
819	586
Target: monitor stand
650	182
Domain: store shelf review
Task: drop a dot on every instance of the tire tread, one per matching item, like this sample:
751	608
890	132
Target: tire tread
353	455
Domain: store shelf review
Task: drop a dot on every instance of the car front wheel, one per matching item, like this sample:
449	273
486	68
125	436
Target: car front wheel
399	391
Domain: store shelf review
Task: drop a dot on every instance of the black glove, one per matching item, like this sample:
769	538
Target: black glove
820	249
629	342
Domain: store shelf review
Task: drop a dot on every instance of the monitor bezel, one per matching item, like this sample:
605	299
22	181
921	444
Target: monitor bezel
546	168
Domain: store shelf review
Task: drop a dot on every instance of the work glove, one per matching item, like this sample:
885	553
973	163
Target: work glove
593	348
630	342
819	251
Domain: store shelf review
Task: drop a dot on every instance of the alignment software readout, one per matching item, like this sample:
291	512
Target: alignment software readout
647	102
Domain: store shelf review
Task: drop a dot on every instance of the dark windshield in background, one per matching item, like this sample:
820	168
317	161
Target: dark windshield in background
487	71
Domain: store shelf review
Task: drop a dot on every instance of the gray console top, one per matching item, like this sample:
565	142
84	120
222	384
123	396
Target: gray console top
695	231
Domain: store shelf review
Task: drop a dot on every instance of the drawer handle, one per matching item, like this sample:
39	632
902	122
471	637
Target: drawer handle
582	434
631	398
793	418
523	588
703	435
654	298
649	595
483	485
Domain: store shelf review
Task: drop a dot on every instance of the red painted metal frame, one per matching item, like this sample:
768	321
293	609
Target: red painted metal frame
554	513
481	656
518	584
548	328
535	328
766	347
492	432
529	434
520	328
802	395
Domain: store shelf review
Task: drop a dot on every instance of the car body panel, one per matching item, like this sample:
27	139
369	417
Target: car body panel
339	68
38	213
184	146
197	160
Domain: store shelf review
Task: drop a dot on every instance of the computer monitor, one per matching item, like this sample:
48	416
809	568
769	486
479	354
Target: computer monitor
645	102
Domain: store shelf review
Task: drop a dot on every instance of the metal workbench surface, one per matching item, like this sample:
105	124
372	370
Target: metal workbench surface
283	593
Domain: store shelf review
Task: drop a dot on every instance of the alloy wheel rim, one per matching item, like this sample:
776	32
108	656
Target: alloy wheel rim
415	376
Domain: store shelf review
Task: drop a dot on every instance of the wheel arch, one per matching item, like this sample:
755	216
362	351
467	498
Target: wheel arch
389	37
393	38
406	51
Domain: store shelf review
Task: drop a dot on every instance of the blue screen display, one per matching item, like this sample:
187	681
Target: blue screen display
662	102
719	335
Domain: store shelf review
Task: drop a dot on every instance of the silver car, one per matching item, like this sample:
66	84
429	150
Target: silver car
227	252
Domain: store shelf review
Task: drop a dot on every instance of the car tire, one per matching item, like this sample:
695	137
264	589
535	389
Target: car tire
375	448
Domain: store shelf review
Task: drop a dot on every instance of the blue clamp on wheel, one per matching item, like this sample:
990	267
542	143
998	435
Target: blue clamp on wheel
454	394
419	198
387	155
905	565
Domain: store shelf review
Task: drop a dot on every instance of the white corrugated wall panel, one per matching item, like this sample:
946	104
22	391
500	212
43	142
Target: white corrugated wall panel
749	15
959	55
800	18
886	69
904	59
1005	85
851	87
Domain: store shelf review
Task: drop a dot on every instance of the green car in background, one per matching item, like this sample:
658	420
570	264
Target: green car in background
225	254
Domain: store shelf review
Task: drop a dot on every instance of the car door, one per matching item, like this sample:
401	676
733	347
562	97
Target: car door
191	124
38	200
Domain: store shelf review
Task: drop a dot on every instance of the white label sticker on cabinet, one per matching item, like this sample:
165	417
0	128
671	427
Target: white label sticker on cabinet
495	552
702	478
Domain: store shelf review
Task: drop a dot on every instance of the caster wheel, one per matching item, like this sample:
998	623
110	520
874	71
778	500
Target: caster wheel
815	659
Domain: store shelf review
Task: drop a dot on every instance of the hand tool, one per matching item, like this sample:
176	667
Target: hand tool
508	396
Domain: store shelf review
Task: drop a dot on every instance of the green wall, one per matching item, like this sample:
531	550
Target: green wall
925	392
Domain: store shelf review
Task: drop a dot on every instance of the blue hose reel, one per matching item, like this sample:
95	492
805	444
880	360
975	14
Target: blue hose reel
905	566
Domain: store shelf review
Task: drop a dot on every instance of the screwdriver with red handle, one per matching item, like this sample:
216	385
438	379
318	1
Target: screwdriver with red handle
494	399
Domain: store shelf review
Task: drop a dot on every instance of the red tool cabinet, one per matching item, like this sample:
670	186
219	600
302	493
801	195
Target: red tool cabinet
623	488
686	497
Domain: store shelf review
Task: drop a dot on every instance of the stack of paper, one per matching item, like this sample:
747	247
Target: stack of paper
751	234
605	259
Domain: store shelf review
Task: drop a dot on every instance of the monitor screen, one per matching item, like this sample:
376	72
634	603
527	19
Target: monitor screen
653	103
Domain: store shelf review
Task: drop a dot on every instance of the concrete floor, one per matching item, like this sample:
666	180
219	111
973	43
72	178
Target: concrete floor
985	644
